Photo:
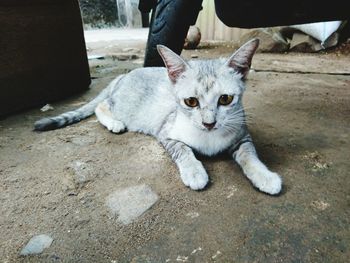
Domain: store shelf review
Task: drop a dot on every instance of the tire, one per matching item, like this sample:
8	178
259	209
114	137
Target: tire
169	25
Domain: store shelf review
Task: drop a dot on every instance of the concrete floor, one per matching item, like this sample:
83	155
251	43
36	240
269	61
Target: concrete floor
299	107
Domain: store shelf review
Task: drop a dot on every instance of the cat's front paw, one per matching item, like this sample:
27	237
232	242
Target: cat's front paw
194	176
269	182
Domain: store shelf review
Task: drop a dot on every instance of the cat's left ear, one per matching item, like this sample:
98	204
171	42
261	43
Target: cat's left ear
241	60
173	62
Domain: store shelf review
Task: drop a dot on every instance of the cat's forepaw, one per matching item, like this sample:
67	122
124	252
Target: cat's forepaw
269	182
194	176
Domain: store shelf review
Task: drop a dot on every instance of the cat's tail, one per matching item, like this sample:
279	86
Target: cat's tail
77	115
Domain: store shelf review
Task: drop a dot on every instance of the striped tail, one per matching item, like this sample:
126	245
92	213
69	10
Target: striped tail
77	115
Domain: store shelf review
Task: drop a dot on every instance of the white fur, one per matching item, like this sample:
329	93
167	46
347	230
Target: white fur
203	141
193	173
105	117
265	180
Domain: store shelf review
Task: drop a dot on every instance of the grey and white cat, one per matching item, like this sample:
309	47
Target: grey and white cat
193	105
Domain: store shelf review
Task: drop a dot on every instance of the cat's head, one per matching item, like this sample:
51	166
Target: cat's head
209	92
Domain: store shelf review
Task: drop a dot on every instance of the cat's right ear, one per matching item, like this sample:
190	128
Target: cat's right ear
241	60
173	62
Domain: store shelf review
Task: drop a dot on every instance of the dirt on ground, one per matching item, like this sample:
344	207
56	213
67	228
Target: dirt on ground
58	182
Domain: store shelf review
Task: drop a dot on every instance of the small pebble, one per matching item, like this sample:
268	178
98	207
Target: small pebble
218	253
320	205
181	259
47	107
192	214
90	57
130	49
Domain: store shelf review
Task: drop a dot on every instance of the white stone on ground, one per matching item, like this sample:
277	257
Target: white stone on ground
36	245
130	203
83	172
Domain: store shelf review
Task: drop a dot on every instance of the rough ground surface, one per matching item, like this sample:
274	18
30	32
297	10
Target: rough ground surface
57	183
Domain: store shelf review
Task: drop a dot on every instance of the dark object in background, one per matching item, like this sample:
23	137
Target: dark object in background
42	53
255	13
172	18
99	13
169	25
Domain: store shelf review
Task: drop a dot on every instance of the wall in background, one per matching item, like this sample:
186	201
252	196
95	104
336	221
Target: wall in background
212	28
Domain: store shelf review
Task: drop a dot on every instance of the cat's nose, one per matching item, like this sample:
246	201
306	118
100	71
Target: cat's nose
209	126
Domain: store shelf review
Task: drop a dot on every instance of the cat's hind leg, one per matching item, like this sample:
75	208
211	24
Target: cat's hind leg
260	176
105	117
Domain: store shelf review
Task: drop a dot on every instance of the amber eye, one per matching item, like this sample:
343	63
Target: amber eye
225	99
191	102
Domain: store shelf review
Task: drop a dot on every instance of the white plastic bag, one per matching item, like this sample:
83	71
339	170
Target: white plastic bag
321	31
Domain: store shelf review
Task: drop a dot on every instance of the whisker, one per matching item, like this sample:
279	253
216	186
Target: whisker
251	114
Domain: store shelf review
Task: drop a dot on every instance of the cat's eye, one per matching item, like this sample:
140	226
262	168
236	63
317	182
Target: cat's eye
191	102
225	99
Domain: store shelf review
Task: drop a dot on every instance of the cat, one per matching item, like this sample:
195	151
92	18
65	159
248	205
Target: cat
188	106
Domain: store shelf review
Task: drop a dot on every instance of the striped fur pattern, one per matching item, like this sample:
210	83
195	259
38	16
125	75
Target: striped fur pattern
77	115
188	106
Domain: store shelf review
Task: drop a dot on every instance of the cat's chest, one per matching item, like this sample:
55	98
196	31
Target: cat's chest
207	143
